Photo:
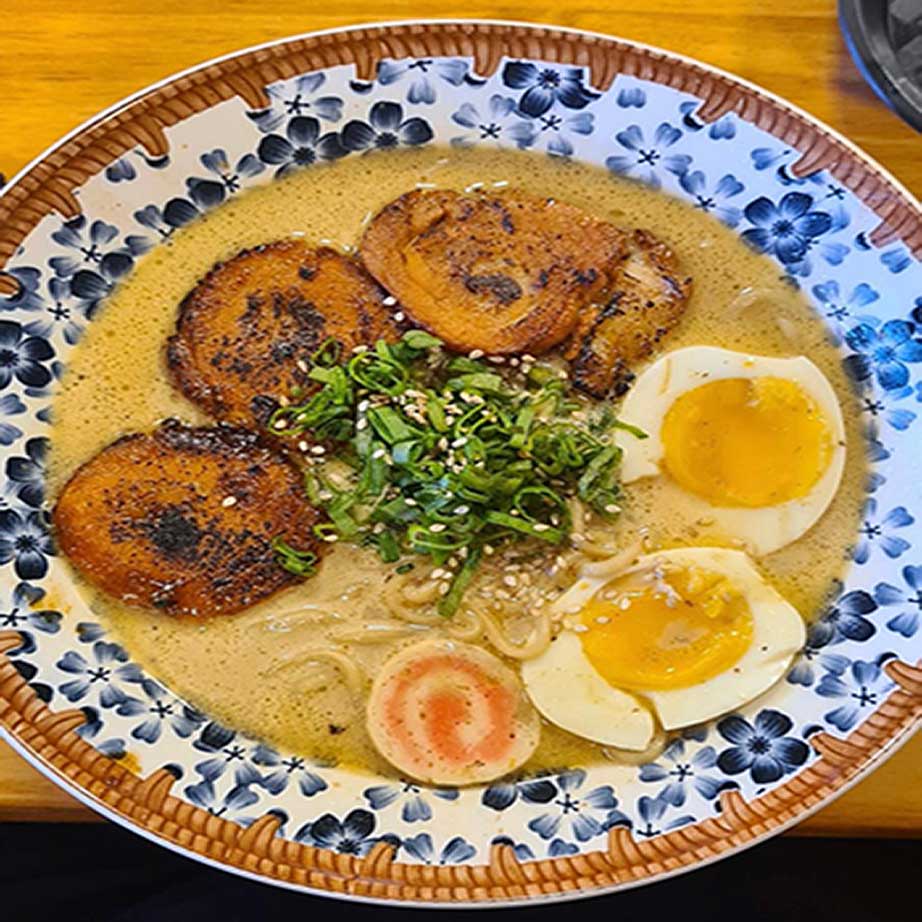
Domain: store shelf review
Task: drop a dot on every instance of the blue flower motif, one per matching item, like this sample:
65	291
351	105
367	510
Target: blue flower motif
905	622
839	308
108	667
287	100
786	230
876	530
350	836
554	129
845	618
415	807
714	199
60	311
27	296
503	794
26	476
165	710
865	685
209	192
546	85
498	122
680	771
238	797
455	850
763	749
645	157
23	611
23	357
722	130
285	770
26	540
10	405
113	748
386	128
123	169
882	352
651	811
587	815
631	97
421	73
302	145
884	407
896	260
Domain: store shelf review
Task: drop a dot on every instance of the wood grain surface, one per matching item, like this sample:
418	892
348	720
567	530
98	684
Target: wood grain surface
61	62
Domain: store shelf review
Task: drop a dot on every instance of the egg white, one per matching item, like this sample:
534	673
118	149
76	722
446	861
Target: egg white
761	529
566	688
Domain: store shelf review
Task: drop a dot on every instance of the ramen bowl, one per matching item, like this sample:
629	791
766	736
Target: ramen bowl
73	226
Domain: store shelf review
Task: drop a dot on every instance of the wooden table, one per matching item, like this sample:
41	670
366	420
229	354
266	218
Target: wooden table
61	61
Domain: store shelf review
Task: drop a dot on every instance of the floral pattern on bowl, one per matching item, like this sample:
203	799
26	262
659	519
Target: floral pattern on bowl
815	230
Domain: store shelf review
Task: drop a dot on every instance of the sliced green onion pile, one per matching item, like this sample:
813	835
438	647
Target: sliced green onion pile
447	456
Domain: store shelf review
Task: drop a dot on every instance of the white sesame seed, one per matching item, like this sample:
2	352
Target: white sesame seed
444	588
438	573
540	526
603	619
501	183
437	527
425	185
497	359
580	628
612	508
378	453
473	187
461	510
510	581
410	501
400	316
475	354
318	450
459	442
229	501
331	539
303	446
488	549
281	423
325	496
360	348
389	301
361	424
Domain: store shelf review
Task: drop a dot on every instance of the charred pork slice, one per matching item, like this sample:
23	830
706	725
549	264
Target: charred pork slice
648	298
183	519
504	273
245	333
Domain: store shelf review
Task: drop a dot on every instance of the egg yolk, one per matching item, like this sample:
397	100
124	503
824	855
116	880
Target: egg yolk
746	441
657	630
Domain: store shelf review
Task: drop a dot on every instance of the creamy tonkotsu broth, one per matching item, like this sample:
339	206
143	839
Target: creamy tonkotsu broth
268	671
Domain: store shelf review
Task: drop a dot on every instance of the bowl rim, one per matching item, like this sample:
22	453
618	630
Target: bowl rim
912	676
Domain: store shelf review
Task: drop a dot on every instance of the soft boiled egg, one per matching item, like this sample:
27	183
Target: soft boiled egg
756	444
685	634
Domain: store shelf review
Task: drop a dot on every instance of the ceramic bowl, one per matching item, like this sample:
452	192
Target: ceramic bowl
77	220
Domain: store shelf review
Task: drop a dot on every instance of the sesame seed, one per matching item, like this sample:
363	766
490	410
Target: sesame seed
437	527
500	183
475	354
303	446
612	508
444	588
361	424
331	539
229	501
318	450
580	628
488	549
410	501
438	573
400	316
378	453
497	359
461	510
389	301
602	619
510	581
281	423
540	526
459	442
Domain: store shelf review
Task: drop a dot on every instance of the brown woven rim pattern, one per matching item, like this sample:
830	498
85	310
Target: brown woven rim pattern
147	802
49	187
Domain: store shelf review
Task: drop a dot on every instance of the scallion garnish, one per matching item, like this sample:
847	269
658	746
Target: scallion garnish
447	454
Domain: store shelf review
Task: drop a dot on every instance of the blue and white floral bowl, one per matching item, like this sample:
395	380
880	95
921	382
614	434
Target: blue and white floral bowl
75	222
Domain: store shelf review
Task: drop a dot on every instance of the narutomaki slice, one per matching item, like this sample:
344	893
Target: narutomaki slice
503	273
450	713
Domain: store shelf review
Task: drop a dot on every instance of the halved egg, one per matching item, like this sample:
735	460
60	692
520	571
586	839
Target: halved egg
756	444
685	634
